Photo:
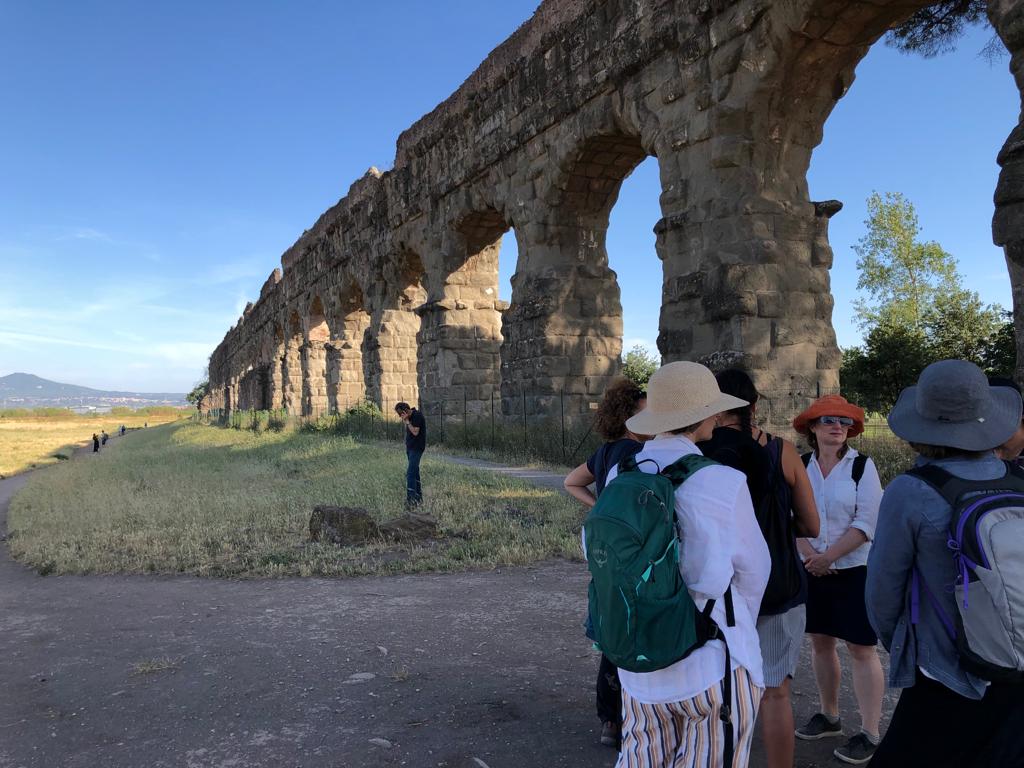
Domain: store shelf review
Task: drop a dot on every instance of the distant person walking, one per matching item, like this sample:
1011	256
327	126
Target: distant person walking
104	437
95	443
122	430
415	445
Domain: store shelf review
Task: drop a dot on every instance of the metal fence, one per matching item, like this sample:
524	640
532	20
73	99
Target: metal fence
530	426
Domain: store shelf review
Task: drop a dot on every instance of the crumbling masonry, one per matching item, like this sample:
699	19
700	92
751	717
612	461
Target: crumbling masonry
393	294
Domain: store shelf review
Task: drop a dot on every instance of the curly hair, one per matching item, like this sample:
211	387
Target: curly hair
620	402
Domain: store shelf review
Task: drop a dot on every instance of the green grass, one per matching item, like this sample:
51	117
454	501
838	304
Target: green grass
195	499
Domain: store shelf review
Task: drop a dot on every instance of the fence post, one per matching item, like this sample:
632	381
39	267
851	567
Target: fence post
465	416
441	406
561	408
492	419
524	416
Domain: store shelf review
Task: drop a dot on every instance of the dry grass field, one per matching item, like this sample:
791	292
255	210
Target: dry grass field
189	498
28	441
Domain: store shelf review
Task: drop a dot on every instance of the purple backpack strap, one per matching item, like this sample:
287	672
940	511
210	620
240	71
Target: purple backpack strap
917	584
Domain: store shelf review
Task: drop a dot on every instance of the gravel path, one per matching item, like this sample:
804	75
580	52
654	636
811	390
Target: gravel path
460	670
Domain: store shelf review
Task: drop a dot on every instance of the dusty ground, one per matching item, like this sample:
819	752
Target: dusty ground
461	670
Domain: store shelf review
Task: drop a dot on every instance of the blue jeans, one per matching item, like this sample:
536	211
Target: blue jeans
413	488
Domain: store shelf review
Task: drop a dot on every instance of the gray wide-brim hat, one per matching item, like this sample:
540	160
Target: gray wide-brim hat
679	395
953	405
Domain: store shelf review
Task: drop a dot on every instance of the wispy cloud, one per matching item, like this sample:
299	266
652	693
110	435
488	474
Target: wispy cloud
242	269
86	233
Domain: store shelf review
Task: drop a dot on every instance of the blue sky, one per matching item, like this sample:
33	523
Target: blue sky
157	158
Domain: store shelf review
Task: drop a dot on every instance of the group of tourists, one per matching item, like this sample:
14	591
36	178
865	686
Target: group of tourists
714	547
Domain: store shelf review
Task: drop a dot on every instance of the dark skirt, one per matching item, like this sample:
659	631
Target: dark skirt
835	606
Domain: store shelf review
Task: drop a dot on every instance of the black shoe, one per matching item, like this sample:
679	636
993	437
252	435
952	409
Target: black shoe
610	734
819	727
857	750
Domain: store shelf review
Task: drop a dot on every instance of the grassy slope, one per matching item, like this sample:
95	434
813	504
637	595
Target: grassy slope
27	442
195	499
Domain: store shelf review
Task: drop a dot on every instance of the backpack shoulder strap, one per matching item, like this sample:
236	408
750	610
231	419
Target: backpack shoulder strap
946	484
859	462
680	470
806	458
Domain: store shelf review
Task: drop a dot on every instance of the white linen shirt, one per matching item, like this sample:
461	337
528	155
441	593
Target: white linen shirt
720	544
843	505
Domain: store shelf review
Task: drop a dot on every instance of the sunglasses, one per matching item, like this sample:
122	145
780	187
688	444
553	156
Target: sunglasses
845	421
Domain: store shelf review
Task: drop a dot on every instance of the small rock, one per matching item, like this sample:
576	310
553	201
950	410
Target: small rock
382	743
360	677
415	526
342	525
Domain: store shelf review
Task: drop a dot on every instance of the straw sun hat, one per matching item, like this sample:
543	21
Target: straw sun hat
678	395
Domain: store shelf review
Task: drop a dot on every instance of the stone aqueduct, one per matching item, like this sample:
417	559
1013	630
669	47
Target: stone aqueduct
393	294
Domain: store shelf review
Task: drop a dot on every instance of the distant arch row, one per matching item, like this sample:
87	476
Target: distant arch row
393	294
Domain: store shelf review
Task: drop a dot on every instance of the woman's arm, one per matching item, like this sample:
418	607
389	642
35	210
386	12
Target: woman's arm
891	559
576	483
805	511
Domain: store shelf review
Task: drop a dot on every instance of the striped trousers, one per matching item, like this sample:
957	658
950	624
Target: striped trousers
685	734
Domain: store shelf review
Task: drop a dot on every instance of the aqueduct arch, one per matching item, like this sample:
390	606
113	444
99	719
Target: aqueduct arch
729	95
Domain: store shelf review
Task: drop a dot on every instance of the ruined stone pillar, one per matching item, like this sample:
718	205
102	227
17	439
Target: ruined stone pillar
1007	17
563	329
391	348
314	378
346	385
291	373
748	281
460	337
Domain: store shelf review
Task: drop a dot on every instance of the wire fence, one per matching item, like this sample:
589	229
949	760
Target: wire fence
531	426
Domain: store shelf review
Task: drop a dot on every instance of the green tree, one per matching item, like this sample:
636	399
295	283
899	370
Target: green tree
639	365
199	391
935	29
901	275
957	325
890	360
1000	357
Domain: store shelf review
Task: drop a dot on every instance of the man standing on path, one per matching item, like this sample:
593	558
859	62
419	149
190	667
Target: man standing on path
415	444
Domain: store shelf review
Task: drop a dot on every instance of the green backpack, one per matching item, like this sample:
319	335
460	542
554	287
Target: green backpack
644	618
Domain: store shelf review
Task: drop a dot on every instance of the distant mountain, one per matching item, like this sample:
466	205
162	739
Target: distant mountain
23	390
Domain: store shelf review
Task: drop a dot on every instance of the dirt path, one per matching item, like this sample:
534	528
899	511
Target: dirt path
459	670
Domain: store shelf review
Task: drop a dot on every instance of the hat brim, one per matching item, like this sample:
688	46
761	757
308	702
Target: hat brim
652	422
996	426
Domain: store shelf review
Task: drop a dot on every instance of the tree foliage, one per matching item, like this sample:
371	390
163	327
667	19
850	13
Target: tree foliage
639	365
901	275
919	311
199	391
935	29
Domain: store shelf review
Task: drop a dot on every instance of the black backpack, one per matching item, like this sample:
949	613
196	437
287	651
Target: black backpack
775	517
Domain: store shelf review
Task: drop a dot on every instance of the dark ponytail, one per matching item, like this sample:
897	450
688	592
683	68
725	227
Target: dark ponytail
738	384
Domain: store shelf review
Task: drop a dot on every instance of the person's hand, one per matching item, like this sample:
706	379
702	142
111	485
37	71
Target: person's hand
818	565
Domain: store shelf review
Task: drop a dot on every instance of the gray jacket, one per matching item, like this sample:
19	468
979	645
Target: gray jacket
913	527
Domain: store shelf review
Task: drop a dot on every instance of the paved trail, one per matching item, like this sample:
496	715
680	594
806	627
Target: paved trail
461	670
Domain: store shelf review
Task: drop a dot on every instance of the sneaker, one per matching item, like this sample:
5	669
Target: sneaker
610	734
857	750
819	727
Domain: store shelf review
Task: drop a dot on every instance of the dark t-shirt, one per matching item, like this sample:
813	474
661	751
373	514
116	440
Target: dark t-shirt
608	456
740	451
416	442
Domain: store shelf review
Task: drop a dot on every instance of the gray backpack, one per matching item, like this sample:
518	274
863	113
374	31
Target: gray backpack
986	537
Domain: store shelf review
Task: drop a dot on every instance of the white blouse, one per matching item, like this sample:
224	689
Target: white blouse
843	505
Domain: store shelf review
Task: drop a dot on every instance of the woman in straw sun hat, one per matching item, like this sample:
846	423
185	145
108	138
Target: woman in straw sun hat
672	716
946	715
847	492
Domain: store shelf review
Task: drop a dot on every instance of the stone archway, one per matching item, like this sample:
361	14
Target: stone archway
730	97
314	360
346	385
291	365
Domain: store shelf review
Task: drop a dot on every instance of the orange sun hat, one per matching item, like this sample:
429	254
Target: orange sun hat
830	405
